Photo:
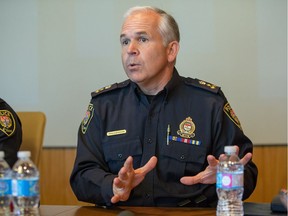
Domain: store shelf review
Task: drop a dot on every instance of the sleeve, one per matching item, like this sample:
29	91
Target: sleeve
91	180
10	133
228	131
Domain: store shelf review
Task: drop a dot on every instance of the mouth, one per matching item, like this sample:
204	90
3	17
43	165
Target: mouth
132	66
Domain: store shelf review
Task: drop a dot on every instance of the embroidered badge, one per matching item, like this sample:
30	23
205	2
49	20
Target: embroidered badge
87	118
187	128
230	113
7	122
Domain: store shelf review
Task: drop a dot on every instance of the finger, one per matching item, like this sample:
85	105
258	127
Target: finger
212	161
122	174
246	158
115	199
127	168
191	180
148	166
237	149
221	157
117	183
128	164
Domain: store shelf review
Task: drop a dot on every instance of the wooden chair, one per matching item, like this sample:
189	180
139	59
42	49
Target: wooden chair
33	128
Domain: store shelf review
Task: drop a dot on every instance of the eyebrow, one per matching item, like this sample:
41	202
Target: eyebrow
137	33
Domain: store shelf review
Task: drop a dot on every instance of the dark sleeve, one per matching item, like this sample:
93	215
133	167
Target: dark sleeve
91	180
10	132
229	132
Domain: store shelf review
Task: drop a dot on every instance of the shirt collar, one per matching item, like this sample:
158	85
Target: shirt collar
171	85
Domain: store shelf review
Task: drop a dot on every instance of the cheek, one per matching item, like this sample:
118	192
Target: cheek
123	57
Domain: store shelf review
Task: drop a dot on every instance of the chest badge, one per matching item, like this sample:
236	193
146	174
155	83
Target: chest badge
186	128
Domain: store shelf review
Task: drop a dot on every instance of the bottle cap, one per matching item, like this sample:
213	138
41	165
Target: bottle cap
230	149
2	154
23	154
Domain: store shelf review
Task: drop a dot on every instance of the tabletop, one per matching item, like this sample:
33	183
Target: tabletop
48	210
250	209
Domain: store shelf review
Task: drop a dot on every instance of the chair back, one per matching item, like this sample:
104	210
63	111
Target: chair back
33	128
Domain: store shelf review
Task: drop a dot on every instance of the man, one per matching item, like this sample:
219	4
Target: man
10	132
153	140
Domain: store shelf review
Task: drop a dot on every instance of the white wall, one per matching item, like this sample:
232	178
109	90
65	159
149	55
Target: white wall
54	53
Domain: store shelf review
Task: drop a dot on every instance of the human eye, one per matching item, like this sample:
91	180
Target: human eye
143	39
124	41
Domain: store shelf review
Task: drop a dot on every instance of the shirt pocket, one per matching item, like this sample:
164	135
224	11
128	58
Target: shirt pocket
181	159
117	152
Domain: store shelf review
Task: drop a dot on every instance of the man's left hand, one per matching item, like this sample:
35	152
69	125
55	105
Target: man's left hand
208	176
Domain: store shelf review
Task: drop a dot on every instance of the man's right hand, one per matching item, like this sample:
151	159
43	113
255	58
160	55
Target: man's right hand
128	178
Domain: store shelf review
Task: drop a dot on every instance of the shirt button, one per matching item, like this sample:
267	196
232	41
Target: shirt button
120	156
182	157
147	196
149	140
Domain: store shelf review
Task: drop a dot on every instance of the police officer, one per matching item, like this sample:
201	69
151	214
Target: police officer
154	139
10	132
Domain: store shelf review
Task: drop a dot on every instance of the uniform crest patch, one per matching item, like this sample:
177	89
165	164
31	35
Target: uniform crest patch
187	128
7	122
87	118
230	113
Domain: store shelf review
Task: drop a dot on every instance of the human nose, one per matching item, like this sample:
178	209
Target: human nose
132	48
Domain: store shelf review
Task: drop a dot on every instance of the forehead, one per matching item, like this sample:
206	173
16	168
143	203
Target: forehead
146	21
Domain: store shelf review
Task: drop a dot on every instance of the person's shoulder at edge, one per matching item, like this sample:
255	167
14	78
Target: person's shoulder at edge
110	88
2	101
201	84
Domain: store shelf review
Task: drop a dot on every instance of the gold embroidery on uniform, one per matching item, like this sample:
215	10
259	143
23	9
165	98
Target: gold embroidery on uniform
87	118
117	132
210	85
230	113
7	122
104	88
187	128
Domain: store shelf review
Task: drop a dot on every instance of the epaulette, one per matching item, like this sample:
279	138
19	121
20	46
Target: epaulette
109	88
202	84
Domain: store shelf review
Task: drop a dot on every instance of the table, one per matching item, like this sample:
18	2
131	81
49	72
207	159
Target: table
47	210
251	209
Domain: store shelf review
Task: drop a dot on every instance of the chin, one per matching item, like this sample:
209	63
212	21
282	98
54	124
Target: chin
135	76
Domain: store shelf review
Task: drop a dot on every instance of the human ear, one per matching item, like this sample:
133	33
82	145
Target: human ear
172	51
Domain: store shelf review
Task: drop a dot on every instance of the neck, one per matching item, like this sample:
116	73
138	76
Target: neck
156	87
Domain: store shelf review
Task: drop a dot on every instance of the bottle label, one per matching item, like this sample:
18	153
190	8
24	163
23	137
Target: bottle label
25	187
5	187
229	180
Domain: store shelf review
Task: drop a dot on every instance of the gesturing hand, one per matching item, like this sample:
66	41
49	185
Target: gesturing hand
208	176
128	178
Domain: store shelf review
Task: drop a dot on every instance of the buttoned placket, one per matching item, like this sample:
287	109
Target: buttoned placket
150	142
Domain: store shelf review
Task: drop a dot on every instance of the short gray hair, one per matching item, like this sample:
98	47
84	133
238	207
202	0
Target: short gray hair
168	27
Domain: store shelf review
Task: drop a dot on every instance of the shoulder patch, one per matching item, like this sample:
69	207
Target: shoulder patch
87	118
7	122
203	84
231	114
109	88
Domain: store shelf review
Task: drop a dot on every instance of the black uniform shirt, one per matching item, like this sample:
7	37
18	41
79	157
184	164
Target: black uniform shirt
10	132
120	122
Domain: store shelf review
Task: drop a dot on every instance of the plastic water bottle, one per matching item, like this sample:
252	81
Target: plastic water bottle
5	186
229	184
25	185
